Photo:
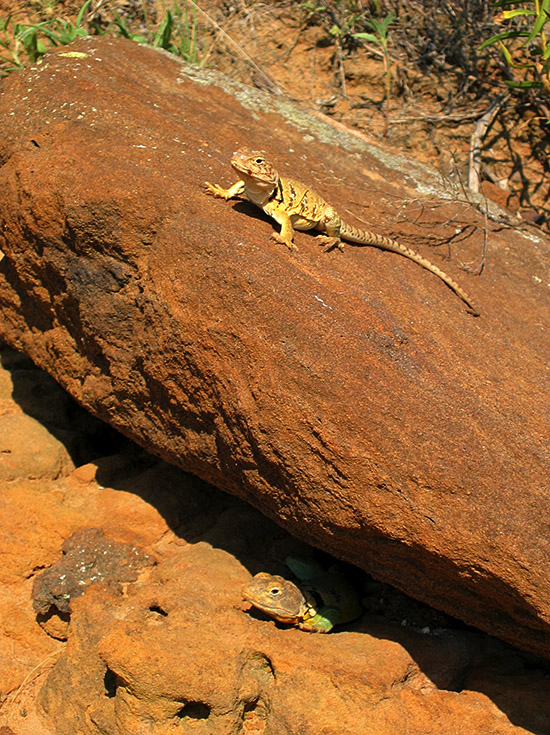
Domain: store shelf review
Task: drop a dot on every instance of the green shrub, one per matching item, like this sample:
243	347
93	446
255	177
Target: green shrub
531	57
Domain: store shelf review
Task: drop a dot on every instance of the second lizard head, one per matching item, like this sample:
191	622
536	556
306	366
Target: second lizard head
277	597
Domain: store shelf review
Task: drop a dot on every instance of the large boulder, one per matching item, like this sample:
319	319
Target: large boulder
349	396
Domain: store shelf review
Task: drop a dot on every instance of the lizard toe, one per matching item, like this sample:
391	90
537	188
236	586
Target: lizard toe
214	190
329	242
284	241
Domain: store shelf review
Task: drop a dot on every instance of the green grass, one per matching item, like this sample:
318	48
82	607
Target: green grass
176	33
525	45
23	43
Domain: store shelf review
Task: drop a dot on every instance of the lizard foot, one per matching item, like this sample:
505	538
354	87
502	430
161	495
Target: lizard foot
329	242
284	241
216	190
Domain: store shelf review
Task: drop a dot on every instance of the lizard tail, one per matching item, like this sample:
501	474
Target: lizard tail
363	237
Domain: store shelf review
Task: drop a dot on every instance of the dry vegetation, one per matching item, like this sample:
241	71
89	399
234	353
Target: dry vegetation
427	87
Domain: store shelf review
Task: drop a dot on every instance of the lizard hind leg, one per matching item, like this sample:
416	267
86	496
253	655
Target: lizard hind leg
331	224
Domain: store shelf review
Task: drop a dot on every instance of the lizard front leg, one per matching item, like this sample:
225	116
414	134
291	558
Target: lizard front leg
286	236
322	622
331	224
218	191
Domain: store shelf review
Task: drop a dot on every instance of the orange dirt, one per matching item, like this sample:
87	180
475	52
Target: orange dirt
434	105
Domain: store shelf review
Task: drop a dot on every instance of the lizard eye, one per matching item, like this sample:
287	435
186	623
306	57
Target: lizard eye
259	160
274	591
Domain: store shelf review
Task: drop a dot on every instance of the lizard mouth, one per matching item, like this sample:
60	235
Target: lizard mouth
240	167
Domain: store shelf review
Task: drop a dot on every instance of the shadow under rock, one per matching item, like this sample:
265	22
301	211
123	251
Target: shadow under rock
42	398
452	655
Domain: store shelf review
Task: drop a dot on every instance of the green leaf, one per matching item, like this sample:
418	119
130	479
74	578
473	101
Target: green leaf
542	18
510	61
121	25
387	21
376	26
524	85
98	30
502	37
504	3
380	27
30	44
81	12
24	31
5	23
162	37
507	54
123	30
367	37
519	11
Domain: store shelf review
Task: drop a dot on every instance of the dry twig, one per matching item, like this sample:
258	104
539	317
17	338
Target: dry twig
40	667
481	127
274	86
450	117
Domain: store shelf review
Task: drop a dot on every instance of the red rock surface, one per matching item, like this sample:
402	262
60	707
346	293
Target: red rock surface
178	647
347	395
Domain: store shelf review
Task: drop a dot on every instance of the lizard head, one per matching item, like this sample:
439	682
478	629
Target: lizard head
277	597
253	167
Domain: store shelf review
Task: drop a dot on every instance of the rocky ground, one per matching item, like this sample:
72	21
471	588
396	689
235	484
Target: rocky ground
441	83
174	318
152	633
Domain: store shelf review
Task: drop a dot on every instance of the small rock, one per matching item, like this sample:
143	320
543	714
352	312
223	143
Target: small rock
28	449
88	558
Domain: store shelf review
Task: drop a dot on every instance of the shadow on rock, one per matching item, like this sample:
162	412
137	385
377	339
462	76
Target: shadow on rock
164	633
448	654
49	410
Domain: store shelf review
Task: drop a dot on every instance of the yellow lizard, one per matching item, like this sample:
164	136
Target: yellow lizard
295	206
316	605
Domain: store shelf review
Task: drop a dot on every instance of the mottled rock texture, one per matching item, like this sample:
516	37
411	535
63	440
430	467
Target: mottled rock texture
180	650
349	396
88	558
